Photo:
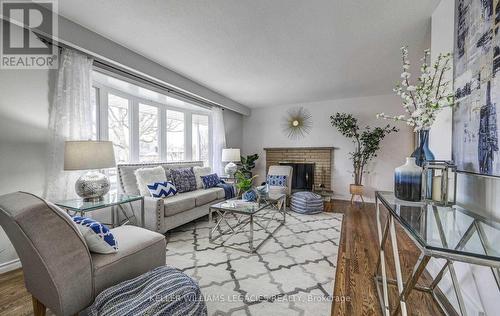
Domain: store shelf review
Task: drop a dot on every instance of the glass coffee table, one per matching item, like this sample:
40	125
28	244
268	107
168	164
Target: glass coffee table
234	215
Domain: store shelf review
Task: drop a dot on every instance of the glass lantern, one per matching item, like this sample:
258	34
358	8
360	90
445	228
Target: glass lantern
439	182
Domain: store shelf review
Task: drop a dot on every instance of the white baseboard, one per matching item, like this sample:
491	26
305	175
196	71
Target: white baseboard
10	265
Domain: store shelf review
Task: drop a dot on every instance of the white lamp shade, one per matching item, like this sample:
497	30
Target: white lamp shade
231	154
84	155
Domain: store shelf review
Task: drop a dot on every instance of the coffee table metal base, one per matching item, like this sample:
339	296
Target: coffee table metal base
242	221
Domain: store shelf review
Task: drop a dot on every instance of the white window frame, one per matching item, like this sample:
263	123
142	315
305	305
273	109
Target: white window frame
102	92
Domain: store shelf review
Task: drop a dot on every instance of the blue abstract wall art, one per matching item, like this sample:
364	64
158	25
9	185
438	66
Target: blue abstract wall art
477	86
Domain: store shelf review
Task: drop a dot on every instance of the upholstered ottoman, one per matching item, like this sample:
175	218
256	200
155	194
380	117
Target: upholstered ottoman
306	202
162	291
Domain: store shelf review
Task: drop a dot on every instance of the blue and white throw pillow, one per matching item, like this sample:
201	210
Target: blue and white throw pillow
210	181
276	180
98	236
184	179
162	189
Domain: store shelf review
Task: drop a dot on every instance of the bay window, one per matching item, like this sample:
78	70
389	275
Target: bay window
148	133
145	125
200	138
176	142
119	126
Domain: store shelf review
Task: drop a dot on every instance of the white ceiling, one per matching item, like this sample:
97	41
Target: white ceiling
268	52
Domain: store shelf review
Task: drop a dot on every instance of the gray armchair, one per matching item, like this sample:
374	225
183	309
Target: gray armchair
59	271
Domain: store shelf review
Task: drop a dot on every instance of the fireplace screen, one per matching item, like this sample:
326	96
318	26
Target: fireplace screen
303	176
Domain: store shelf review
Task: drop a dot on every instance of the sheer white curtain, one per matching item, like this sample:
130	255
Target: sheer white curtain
71	116
218	139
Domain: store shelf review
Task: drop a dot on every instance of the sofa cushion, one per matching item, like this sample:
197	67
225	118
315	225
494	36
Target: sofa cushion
162	189
276	180
198	173
210	181
98	236
147	176
140	251
128	182
220	192
188	200
178	203
203	197
183	179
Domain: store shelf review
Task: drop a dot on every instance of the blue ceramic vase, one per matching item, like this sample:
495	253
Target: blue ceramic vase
423	153
408	181
250	195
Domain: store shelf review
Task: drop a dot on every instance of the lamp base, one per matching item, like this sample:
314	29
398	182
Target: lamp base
231	169
92	186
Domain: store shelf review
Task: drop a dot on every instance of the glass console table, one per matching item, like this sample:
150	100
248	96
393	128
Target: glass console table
112	200
453	233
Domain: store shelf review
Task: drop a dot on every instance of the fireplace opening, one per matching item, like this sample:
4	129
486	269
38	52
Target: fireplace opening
302	177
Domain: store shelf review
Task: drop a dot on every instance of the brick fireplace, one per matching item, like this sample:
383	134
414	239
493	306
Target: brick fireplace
319	157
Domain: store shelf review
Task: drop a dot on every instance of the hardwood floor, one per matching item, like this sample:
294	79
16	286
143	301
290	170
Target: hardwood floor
358	253
14	299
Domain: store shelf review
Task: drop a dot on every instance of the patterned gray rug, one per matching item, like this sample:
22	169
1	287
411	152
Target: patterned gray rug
292	273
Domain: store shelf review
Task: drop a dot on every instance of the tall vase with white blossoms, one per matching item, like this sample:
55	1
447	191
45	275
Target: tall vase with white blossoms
423	98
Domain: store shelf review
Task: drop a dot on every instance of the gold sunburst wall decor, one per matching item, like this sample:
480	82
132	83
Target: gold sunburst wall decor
297	123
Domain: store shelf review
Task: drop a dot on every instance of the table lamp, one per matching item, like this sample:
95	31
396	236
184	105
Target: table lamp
231	155
90	155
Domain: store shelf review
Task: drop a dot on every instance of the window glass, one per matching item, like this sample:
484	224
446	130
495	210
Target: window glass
200	137
175	136
118	126
148	133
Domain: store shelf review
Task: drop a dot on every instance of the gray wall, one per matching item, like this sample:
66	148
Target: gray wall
24	103
263	129
233	123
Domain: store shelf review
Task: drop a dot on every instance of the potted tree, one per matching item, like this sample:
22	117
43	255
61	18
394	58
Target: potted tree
366	144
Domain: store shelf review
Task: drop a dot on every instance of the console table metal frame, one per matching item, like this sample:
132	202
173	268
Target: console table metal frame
405	288
244	218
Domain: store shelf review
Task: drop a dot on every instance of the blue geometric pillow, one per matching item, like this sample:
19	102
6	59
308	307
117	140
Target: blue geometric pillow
97	235
184	179
275	180
210	181
162	189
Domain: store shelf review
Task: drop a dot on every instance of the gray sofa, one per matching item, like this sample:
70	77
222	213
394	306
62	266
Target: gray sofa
163	214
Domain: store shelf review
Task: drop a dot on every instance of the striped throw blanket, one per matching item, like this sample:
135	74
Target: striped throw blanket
306	203
162	291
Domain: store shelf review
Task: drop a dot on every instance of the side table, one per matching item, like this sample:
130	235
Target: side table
114	201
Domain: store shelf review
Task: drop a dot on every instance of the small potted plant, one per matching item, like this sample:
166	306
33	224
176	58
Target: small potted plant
244	186
366	144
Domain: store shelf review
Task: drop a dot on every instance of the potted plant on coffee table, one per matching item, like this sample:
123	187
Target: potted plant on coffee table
244	186
366	144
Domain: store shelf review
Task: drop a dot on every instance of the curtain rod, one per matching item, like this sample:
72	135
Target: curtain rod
100	63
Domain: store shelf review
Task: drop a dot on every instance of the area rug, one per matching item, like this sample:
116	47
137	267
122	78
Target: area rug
292	273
